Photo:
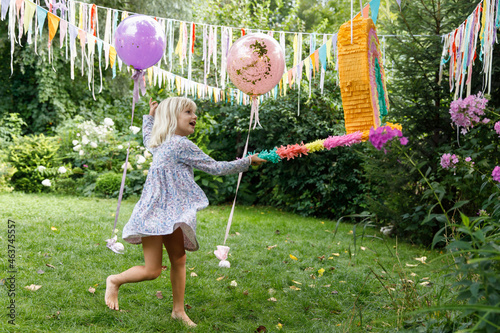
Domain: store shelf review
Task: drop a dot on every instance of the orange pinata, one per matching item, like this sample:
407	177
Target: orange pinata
361	75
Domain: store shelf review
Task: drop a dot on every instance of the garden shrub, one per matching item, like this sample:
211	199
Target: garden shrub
67	186
108	184
97	149
10	127
476	249
413	193
26	154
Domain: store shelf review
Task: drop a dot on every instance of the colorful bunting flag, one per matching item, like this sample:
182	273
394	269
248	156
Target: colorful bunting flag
374	5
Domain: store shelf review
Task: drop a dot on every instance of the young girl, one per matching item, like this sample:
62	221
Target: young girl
166	211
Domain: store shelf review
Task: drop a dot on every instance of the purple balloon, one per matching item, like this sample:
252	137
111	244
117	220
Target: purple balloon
140	41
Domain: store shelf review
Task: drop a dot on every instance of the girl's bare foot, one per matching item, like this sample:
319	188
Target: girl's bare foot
111	296
183	316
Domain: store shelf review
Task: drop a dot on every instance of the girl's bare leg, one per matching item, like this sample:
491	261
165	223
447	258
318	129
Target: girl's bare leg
153	250
174	243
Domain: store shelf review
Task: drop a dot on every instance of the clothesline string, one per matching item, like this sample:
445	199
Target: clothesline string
262	30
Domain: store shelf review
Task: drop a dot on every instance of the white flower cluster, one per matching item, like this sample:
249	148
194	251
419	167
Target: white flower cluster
92	134
47	182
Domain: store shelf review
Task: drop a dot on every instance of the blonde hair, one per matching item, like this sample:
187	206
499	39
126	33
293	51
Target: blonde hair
166	119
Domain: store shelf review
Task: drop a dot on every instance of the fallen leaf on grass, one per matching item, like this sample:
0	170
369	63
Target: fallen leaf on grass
54	316
336	254
321	258
261	328
40	271
362	248
191	268
159	294
33	287
330	258
296	282
220	278
411	265
309	269
327	285
193	274
293	257
425	284
233	283
188	306
321	271
271	247
335	292
245	292
237	233
294	288
312	276
422	260
279	326
91	290
272	299
413	274
49	265
53	228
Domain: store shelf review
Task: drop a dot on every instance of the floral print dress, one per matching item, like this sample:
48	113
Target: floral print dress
171	197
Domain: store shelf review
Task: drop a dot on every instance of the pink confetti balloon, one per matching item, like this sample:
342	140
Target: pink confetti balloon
255	64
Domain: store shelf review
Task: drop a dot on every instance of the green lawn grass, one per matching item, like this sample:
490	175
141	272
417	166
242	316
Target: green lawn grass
347	297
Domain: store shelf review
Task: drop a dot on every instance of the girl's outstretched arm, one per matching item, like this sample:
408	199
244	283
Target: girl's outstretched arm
191	155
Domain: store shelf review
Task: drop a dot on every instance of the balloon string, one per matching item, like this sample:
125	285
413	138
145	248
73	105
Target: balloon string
138	77
254	110
298	101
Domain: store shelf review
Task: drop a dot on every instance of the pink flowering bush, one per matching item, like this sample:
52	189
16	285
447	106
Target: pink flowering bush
497	127
448	161
467	112
380	136
496	174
